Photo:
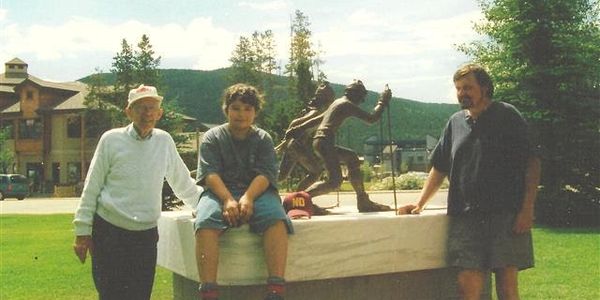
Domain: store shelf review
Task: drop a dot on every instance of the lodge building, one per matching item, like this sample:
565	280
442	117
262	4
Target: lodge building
46	128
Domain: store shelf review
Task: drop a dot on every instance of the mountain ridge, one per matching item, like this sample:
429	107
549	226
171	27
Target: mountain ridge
197	93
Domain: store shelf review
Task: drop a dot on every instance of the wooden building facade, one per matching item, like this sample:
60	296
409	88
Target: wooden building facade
46	125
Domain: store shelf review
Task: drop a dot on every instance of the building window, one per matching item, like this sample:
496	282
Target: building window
74	127
30	129
73	172
29	95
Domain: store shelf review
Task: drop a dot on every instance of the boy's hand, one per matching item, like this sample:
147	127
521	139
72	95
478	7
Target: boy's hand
231	213
246	208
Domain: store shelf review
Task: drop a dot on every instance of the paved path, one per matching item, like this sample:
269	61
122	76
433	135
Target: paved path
346	199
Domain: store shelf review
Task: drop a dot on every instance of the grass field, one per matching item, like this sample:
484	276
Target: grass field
37	262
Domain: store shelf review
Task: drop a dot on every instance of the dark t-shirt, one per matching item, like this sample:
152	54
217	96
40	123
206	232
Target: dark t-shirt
485	160
237	162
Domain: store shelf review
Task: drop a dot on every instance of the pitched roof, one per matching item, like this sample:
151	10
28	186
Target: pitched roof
10	80
13	108
69	86
16	61
74	102
6	89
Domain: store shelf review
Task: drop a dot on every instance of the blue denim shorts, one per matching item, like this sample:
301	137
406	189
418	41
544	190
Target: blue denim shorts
487	242
267	211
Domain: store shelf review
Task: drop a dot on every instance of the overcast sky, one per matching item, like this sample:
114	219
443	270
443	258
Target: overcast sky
408	44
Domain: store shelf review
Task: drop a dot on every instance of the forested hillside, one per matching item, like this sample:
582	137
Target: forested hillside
197	93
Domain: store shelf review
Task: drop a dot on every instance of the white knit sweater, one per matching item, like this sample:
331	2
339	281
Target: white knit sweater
125	179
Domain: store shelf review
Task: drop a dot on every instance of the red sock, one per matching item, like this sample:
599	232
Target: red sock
275	288
209	294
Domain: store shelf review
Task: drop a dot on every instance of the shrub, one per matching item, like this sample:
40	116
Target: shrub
408	181
567	208
367	172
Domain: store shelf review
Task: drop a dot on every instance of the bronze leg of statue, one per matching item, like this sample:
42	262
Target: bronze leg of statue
363	203
286	166
313	166
325	149
307	181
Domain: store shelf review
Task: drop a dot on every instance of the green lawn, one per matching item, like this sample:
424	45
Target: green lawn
37	262
567	265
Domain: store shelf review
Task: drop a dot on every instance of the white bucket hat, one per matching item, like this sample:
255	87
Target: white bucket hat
143	91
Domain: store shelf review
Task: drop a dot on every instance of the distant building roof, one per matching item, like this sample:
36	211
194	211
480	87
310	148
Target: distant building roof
73	99
6	89
67	86
386	149
12	109
74	102
12	81
16	61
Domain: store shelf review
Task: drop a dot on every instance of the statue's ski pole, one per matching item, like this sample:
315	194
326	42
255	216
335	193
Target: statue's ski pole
392	156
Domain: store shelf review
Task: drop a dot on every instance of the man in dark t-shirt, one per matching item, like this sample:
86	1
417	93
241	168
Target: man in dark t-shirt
487	154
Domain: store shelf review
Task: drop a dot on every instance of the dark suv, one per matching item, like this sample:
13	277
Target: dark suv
13	185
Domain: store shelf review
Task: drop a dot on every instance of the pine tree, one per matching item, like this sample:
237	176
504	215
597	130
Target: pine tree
131	68
244	67
302	56
544	58
146	65
123	67
6	154
253	60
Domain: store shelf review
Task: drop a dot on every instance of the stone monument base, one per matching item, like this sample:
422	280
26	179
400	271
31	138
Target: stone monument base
426	284
346	255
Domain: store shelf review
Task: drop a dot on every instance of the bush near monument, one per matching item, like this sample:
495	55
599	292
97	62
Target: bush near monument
408	181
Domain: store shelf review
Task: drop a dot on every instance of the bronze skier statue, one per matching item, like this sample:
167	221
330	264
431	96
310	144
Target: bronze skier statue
333	155
299	151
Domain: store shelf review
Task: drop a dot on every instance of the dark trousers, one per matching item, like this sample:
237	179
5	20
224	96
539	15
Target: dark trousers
123	261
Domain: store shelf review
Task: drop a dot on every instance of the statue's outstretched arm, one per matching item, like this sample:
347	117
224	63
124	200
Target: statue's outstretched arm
297	131
384	100
309	115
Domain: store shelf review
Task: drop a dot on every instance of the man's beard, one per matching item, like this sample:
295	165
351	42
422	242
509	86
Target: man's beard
465	103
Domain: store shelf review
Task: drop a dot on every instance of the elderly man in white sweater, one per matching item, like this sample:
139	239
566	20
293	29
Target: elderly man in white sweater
121	201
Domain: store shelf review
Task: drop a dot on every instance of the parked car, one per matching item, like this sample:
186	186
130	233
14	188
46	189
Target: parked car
13	186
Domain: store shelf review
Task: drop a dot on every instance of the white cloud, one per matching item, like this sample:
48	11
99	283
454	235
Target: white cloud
199	40
376	44
449	31
363	17
276	5
392	38
414	58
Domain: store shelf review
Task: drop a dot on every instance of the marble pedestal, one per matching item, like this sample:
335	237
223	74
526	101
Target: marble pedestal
346	255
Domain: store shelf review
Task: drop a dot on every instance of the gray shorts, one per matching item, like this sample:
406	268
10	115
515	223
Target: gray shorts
267	211
487	242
